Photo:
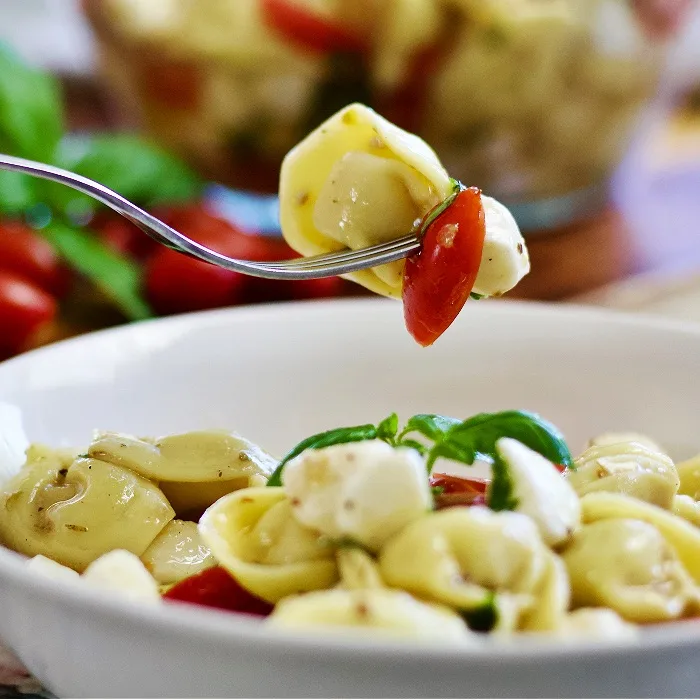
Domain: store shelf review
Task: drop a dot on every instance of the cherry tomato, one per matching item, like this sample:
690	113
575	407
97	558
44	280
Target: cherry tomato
25	252
309	30
216	588
458	491
25	309
439	278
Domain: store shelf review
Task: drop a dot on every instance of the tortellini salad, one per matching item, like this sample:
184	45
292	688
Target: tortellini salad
358	180
375	530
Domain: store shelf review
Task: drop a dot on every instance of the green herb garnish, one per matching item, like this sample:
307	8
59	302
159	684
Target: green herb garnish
485	617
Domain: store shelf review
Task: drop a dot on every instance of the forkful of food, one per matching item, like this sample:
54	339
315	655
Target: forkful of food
362	198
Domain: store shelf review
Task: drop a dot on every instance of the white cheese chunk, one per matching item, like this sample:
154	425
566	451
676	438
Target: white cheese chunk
541	492
365	491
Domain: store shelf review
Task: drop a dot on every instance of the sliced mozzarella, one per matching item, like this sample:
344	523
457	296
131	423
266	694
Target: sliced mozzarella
505	260
124	573
365	491
541	492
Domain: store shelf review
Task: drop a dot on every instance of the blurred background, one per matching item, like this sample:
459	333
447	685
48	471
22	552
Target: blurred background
582	115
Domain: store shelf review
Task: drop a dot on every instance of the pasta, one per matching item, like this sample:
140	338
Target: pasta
254	535
628	566
177	552
358	180
193	469
459	557
359	538
689	475
630	468
75	511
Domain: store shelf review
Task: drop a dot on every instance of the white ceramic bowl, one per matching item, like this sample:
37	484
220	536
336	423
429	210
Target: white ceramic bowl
280	373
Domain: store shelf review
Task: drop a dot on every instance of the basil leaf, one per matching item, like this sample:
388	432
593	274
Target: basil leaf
388	428
413	444
476	296
500	491
118	277
338	436
481	432
17	193
485	617
31	115
449	450
137	170
431	425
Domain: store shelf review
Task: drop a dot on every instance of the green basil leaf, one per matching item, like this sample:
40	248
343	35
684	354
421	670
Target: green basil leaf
137	170
485	617
449	450
118	277
431	425
338	436
500	491
31	115
481	432
18	192
388	428
413	444
476	296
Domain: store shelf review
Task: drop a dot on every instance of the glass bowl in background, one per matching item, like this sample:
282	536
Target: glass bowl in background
535	101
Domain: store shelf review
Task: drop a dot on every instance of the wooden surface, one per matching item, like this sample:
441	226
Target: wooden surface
651	226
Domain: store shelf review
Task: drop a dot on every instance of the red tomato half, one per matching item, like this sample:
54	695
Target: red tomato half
24	310
309	30
216	588
458	491
439	278
25	252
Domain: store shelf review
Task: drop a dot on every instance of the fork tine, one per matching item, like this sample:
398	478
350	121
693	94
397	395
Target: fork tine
347	256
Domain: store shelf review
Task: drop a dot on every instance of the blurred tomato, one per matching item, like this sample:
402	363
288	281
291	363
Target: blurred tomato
25	252
121	236
25	309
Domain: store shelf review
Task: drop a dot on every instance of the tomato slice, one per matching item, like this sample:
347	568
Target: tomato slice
439	278
458	491
216	588
309	30
25	309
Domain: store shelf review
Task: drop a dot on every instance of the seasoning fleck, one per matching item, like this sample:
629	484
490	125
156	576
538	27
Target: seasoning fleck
76	528
520	248
303	198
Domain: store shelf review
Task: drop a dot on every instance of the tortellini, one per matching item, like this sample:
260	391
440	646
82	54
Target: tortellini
461	556
627	565
630	468
341	491
687	508
684	537
253	534
177	552
193	469
392	613
75	511
358	180
552	599
689	475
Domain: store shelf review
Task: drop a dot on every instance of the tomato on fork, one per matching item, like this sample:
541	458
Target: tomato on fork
440	277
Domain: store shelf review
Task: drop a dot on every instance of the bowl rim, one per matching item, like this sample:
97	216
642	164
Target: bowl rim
218	626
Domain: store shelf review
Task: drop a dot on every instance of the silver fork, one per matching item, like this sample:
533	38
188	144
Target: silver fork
329	265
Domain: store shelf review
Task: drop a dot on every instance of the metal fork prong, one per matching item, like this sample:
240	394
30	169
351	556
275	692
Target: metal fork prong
339	263
409	243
